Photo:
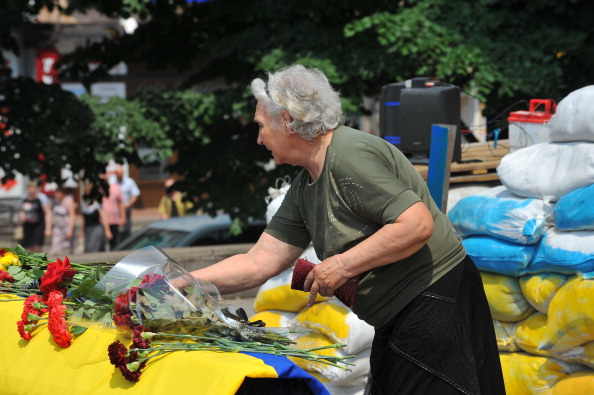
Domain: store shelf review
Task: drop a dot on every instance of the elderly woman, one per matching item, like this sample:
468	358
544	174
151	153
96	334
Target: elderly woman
369	214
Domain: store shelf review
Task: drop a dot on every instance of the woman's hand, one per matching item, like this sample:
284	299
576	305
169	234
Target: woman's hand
325	278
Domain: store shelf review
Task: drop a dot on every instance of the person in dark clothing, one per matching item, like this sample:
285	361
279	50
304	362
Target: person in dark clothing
36	216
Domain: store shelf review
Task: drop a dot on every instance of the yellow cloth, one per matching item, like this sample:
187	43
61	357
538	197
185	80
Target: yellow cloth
39	366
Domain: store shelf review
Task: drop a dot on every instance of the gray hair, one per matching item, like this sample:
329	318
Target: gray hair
306	94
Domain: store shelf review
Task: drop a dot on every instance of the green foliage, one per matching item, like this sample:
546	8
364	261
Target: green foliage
498	50
215	144
45	128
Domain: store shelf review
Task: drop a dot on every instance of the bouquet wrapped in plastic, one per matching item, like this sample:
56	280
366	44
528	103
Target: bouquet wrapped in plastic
141	296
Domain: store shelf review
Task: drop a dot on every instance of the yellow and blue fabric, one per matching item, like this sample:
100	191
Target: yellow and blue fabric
41	367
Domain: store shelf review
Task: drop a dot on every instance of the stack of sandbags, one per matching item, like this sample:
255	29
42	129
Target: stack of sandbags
533	240
326	323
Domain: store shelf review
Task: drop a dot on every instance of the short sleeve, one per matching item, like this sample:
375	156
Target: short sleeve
287	224
374	187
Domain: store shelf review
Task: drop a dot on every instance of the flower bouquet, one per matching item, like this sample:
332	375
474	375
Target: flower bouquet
140	298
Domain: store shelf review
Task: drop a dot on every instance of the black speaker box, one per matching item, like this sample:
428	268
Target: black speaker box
389	110
408	113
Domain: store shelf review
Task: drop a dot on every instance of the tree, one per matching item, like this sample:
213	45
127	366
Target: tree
498	50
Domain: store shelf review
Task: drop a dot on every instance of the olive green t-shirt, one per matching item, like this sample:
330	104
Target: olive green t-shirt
366	183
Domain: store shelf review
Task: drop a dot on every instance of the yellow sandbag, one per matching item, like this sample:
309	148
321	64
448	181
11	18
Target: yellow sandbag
571	316
505	334
531	375
339	323
538	289
332	374
583	354
274	318
581	383
506	300
276	294
532	332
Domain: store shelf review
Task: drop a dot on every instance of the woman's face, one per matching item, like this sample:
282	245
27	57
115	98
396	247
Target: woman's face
274	139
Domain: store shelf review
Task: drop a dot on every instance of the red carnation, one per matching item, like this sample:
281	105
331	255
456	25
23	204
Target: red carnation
137	340
153	280
21	328
56	277
33	304
5	277
57	320
122	316
117	353
130	375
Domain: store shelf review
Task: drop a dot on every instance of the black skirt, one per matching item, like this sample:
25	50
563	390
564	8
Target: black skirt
442	342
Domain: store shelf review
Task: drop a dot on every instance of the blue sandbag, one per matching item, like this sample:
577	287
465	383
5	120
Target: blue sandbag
575	210
499	213
565	252
499	256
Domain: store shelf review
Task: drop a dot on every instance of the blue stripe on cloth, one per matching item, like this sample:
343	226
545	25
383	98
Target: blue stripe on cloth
288	370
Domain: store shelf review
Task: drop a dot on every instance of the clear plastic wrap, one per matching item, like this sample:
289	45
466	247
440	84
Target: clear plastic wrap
149	288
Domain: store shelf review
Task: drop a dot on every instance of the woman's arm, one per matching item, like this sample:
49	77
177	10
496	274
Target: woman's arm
47	212
267	258
393	242
103	220
71	217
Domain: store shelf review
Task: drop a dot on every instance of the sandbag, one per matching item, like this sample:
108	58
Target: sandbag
275	318
565	252
532	332
458	192
276	196
529	374
333	319
571	313
580	383
506	300
574	117
505	333
498	256
539	289
575	210
276	294
583	354
332	374
548	170
499	213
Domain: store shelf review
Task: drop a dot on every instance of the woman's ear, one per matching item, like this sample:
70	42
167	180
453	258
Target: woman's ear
287	119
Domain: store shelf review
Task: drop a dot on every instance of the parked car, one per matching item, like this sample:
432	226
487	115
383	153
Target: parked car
191	230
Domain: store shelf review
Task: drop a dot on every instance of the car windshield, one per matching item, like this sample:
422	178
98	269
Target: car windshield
153	237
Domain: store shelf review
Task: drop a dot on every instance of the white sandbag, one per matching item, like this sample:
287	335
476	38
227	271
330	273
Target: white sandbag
565	252
575	211
574	118
276	196
355	386
499	213
548	170
458	192
498	256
